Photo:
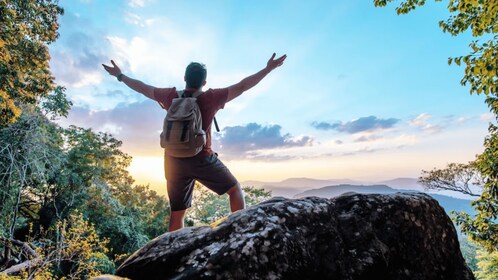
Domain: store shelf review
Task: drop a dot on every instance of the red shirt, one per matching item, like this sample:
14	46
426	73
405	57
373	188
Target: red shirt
209	103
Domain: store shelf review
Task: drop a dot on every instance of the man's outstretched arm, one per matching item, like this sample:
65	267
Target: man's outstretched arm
249	82
135	85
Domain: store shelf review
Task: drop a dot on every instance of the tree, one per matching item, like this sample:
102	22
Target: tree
71	249
48	172
28	26
469	251
29	155
208	207
487	266
481	75
458	177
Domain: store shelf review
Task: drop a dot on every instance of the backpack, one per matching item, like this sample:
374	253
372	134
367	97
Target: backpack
182	134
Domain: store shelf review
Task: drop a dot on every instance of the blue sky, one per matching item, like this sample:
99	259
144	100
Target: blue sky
364	94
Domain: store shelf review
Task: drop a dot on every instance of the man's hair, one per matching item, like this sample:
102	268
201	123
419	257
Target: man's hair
195	75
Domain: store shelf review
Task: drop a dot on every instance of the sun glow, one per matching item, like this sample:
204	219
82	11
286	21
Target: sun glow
149	170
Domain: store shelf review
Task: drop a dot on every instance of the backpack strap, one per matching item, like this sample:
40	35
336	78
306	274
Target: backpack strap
216	125
195	95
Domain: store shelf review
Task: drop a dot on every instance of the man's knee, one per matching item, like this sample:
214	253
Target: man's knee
176	220
235	190
177	215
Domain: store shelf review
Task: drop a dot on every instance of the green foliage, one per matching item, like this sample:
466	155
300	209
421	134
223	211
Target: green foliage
28	26
469	251
208	207
487	265
483	228
56	104
481	74
255	196
29	158
129	218
47	172
71	249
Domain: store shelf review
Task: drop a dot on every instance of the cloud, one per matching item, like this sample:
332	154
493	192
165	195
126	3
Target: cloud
76	57
370	123
161	49
136	3
422	123
134	19
251	140
138	125
461	120
486	117
364	150
367	138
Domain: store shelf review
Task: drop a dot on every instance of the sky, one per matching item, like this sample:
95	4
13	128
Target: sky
364	94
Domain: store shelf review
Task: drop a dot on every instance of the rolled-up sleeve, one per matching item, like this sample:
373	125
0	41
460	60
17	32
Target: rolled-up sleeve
219	97
164	96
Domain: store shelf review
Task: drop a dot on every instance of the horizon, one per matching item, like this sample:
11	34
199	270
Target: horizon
364	94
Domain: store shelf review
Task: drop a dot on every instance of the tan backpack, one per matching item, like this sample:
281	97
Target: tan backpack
182	134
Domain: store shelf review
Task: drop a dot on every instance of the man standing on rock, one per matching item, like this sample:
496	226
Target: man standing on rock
205	167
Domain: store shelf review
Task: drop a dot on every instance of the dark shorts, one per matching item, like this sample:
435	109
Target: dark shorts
181	174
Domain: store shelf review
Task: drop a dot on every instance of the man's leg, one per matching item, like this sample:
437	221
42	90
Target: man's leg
180	186
236	198
176	220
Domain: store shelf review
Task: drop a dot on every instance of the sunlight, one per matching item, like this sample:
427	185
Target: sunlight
149	170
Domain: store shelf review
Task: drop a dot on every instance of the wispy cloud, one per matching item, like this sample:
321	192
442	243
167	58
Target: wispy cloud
137	3
159	53
134	19
486	117
367	138
76	59
422	123
239	142
138	125
362	124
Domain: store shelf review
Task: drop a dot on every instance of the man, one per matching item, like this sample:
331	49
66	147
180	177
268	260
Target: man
205	167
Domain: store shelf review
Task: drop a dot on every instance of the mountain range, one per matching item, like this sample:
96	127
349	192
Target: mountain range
292	186
302	187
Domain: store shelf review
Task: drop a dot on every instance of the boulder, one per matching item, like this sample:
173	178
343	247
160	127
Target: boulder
353	236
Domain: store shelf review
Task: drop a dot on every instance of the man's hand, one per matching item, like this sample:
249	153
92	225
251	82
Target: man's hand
135	85
247	83
114	70
274	63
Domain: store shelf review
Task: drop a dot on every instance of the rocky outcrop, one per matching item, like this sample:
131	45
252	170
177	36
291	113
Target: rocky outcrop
354	236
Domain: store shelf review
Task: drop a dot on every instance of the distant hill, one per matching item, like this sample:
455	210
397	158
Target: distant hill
332	191
292	186
447	202
300	183
313	183
403	183
295	186
309	183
